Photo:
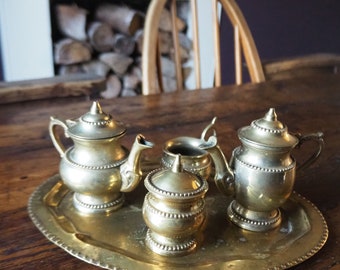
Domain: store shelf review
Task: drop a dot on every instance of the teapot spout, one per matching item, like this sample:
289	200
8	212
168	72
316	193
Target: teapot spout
131	171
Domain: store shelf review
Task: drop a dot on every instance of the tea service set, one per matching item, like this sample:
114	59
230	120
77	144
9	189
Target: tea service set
260	175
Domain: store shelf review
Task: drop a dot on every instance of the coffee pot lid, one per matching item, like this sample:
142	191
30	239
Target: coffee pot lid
268	132
176	182
95	125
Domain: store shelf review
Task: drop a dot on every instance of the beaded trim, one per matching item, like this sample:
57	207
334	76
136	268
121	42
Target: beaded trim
103	206
191	244
98	123
155	211
261	223
35	199
316	248
268	170
87	167
190	194
270	130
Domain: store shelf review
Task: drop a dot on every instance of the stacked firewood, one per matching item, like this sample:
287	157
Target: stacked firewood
110	45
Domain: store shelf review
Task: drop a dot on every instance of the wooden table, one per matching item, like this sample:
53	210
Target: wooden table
28	158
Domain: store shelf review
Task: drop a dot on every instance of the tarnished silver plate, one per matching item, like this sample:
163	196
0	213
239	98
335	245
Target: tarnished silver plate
117	240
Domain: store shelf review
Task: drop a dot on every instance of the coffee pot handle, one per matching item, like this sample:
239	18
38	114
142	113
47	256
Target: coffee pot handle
54	122
318	138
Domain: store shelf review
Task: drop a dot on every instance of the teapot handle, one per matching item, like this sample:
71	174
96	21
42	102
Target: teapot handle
55	136
318	138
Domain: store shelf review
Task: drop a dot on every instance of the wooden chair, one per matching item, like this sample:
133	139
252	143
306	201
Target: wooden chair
244	45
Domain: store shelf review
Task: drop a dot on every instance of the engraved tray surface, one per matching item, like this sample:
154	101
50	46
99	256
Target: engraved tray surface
116	240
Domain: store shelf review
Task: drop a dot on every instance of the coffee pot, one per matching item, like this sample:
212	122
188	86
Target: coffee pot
262	171
97	168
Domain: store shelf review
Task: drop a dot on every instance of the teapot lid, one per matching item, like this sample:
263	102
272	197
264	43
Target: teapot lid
95	125
268	132
176	182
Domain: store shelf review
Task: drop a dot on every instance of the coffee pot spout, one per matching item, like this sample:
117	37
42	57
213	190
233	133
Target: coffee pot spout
131	172
224	175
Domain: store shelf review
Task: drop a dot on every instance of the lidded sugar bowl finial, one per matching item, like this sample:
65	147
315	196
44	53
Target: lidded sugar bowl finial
97	168
174	209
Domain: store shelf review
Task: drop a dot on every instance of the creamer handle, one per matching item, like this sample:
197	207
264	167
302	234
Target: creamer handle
207	128
54	122
318	138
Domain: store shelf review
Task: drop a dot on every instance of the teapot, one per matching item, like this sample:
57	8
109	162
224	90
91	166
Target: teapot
261	172
97	168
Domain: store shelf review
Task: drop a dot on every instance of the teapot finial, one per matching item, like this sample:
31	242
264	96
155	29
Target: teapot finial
96	108
177	165
271	115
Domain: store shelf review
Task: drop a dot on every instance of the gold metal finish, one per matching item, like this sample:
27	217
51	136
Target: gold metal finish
97	168
174	209
193	158
261	173
200	156
117	240
264	172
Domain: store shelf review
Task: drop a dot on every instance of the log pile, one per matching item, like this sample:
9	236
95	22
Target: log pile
110	45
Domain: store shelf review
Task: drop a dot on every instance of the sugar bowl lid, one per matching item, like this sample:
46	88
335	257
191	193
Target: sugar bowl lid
175	182
95	125
267	132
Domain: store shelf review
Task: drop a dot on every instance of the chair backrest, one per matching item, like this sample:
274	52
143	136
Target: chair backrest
244	45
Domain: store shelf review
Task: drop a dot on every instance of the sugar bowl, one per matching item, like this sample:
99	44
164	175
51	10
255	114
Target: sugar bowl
174	209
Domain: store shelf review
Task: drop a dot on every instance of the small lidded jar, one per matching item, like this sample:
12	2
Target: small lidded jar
174	209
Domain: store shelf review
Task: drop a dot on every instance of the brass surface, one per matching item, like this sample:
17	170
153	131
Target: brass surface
264	172
174	209
194	159
117	240
261	173
201	156
97	167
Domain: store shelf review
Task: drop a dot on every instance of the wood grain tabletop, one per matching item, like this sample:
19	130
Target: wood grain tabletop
28	158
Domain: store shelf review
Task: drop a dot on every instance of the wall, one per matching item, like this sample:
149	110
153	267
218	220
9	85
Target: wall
286	28
25	37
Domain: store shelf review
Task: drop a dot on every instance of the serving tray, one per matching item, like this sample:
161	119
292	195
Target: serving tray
116	240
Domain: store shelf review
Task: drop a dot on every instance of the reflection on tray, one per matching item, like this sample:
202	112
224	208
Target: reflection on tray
117	239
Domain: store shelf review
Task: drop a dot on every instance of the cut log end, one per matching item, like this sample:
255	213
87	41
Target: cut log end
101	36
117	62
120	18
72	21
68	51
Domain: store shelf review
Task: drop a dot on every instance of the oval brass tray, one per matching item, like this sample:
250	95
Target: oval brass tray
116	240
